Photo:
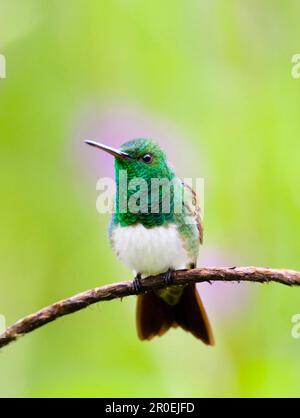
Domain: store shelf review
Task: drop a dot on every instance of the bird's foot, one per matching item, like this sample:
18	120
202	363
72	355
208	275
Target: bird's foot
168	277
137	284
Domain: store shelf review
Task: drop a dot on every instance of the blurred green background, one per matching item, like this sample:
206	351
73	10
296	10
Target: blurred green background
211	81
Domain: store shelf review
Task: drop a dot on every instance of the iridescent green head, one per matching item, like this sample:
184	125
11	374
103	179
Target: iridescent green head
140	159
147	160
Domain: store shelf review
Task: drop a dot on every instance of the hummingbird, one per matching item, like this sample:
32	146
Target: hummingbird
157	242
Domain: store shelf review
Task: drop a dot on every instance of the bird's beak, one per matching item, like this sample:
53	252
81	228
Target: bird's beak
110	150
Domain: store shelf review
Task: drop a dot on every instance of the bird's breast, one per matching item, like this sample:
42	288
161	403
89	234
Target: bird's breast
150	251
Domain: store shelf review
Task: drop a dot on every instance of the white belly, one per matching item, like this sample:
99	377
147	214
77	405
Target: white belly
150	251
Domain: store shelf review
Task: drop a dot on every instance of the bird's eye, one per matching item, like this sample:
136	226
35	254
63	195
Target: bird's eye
147	158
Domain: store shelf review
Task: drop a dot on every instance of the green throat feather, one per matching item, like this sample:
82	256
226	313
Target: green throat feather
151	196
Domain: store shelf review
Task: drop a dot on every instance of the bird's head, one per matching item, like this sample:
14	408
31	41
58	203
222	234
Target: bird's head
141	158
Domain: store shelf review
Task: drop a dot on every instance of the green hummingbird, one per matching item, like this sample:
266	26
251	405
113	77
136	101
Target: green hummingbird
158	241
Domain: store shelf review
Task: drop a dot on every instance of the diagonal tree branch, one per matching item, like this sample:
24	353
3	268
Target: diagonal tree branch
122	289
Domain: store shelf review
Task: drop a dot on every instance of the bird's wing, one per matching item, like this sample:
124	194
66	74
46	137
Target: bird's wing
193	208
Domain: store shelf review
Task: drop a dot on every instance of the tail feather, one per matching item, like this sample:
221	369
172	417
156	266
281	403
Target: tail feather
155	317
191	315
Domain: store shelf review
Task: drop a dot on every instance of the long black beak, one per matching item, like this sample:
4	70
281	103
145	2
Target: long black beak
110	150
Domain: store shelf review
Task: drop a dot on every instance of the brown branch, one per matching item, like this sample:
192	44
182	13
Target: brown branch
122	289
